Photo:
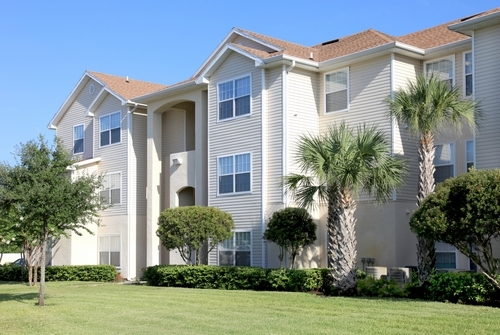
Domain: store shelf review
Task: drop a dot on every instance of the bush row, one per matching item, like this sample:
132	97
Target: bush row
239	278
98	273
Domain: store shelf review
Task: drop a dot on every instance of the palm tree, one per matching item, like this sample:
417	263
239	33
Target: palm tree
427	105
334	167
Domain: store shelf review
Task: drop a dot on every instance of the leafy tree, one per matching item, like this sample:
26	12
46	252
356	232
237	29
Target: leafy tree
335	166
48	202
187	229
291	229
464	212
427	105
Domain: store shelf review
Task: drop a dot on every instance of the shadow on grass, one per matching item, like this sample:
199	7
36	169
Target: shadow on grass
19	297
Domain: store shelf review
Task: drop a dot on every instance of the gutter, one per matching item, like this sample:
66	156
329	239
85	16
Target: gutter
172	89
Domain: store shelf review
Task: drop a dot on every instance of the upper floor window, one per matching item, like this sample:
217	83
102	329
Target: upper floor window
469	154
111	188
78	139
110	129
444	162
109	250
337	90
468	86
234	98
234	173
236	250
443	68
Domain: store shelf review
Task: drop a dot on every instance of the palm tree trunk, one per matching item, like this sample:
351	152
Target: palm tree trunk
342	240
426	249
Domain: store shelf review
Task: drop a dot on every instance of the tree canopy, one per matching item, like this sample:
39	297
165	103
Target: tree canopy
291	229
187	229
47	196
465	212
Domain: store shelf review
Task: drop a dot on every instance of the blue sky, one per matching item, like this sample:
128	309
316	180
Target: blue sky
46	46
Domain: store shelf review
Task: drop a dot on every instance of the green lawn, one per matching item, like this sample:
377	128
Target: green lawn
97	308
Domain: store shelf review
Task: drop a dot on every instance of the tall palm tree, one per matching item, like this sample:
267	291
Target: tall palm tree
334	167
427	105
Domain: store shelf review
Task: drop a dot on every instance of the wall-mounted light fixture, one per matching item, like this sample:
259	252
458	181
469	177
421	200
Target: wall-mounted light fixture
176	161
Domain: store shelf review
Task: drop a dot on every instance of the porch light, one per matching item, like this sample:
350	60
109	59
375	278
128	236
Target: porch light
176	161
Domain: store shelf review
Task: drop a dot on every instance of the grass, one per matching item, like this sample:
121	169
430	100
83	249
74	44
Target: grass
98	308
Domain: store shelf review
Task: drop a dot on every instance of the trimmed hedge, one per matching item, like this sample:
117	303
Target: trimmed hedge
239	278
98	273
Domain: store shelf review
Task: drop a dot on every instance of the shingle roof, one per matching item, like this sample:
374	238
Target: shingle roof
127	89
433	37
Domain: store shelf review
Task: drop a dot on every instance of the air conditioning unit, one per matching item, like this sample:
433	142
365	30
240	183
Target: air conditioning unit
377	272
400	275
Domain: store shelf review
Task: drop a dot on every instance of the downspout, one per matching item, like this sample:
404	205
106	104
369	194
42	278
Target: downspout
474	90
284	128
129	185
393	119
263	140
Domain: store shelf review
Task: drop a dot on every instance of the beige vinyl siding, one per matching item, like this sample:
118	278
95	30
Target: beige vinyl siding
114	156
75	115
275	135
139	165
173	140
369	86
240	40
303	110
487	89
236	136
405	70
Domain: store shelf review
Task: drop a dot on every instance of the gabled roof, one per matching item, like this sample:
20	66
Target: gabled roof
433	37
484	19
123	88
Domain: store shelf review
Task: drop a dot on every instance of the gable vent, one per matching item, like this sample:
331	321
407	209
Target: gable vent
330	42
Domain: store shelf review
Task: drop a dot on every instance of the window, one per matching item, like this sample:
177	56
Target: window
236	250
469	154
444	162
446	256
337	91
468	74
109	250
110	129
234	173
442	68
78	141
111	188
234	98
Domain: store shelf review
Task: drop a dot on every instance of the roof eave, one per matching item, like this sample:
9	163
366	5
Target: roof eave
160	94
466	27
447	48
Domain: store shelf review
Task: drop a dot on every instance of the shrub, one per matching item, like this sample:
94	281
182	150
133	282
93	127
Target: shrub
370	287
98	273
239	278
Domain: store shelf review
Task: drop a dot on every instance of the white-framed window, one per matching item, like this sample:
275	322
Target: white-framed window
234	98
234	173
110	129
78	139
468	74
469	154
444	162
236	250
443	68
111	188
337	91
446	256
109	250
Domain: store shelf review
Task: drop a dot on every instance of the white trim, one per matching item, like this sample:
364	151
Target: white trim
452	160
233	80
208	152
73	149
393	119
453	64
241	230
284	132
99	129
234	193
464	75
129	192
263	160
347	70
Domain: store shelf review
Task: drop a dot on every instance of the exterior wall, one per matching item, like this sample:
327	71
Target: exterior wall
487	88
75	115
235	136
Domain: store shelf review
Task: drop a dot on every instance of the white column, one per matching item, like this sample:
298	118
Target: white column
201	148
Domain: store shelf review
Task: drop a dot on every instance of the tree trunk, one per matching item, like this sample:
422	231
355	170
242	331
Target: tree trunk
342	242
426	249
41	293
